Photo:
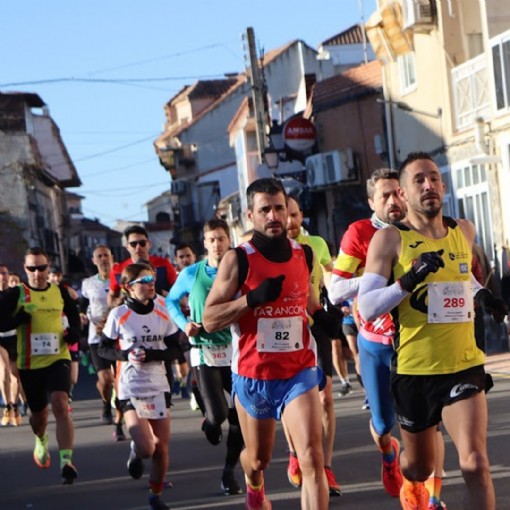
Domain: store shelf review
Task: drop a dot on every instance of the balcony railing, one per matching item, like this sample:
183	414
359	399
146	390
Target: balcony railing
471	92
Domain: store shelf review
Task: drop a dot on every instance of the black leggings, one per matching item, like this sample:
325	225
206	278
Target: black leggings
213	382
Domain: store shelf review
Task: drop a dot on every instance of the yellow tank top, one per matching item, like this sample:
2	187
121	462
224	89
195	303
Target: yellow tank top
426	347
41	342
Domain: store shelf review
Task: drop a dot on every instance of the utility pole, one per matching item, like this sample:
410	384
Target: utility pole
258	91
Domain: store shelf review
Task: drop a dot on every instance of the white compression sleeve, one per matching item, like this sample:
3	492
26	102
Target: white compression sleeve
341	288
375	298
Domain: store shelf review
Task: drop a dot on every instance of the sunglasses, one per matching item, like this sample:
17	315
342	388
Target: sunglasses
143	280
40	268
142	243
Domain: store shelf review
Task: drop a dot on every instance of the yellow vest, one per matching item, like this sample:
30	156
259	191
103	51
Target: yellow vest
41	342
424	347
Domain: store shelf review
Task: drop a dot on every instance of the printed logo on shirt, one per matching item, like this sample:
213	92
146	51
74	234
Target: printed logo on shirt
416	244
463	268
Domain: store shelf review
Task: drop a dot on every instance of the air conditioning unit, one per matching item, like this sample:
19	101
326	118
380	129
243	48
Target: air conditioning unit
314	171
419	15
178	187
339	167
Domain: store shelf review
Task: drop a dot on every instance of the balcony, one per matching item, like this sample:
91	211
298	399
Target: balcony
471	92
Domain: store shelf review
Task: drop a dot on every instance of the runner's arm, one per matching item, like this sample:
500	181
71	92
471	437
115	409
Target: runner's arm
108	349
221	310
341	288
170	353
180	288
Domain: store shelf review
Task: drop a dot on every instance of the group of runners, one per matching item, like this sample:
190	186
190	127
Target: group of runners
249	325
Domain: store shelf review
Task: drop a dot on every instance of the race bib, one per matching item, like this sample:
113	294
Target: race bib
42	344
217	355
450	302
280	335
151	408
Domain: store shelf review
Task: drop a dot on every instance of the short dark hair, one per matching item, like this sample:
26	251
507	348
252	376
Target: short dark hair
36	250
267	185
411	158
135	229
215	223
183	246
380	173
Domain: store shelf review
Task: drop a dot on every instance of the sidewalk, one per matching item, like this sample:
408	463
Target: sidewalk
498	364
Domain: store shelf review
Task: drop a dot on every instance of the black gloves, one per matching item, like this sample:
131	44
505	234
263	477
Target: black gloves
267	291
426	263
21	317
327	322
492	304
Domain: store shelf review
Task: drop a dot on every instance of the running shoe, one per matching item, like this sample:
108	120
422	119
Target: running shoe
118	433
16	418
69	474
6	417
229	484
345	390
135	464
185	393
155	503
176	387
212	432
391	474
334	486
106	415
256	500
414	496
437	506
294	472
366	405
41	452
193	403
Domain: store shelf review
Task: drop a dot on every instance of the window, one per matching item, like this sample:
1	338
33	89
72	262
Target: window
473	202
407	73
501	61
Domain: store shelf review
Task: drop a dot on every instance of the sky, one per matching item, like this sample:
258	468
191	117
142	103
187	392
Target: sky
81	57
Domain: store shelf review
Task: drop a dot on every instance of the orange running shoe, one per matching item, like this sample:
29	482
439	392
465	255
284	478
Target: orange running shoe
333	485
414	496
294	472
392	478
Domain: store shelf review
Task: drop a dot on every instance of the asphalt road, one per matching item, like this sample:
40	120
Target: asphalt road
195	465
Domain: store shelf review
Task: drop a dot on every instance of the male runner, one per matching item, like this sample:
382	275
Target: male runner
210	354
438	373
322	262
44	361
9	383
374	342
94	311
138	246
263	289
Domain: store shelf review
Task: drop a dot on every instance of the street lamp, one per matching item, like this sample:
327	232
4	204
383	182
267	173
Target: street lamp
275	151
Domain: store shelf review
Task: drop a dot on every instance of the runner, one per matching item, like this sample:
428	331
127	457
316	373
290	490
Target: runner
374	340
211	354
138	246
438	371
322	263
94	311
44	362
9	383
263	288
140	336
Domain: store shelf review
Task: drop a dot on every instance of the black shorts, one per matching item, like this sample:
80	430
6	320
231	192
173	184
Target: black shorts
38	382
324	350
350	329
99	362
126	405
419	399
10	344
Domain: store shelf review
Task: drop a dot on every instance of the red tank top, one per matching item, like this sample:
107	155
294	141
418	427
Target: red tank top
273	341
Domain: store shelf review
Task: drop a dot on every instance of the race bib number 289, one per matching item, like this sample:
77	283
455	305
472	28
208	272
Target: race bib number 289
450	302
